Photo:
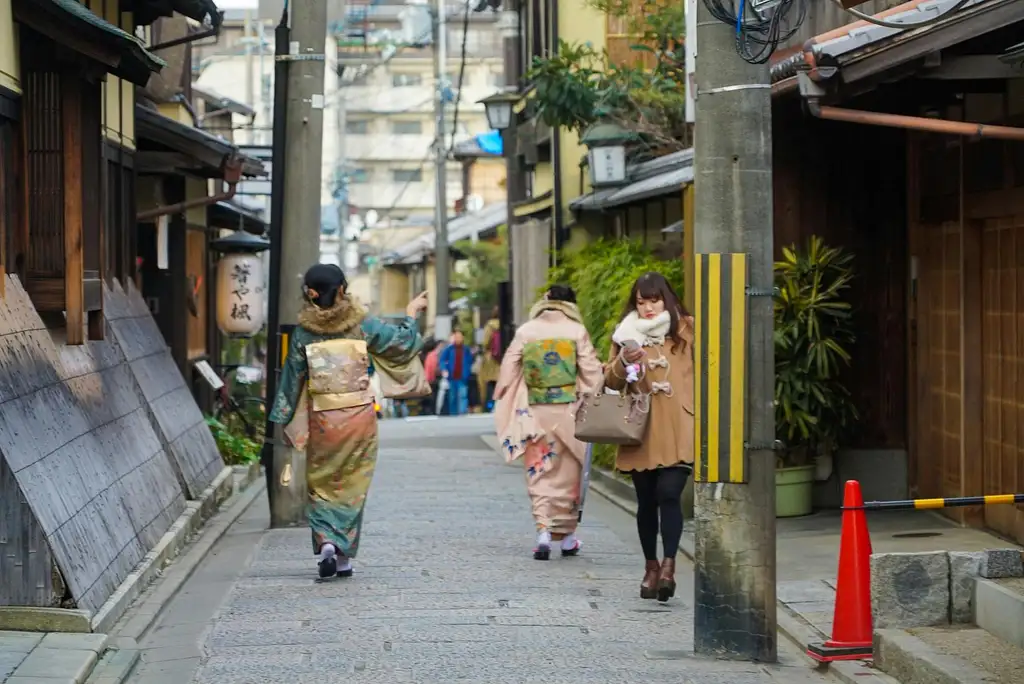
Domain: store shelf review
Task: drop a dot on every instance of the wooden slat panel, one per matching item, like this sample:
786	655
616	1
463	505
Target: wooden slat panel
1003	350
195	267
74	253
44	158
939	352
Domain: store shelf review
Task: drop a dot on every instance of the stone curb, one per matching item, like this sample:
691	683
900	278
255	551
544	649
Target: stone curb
145	612
116	664
915	662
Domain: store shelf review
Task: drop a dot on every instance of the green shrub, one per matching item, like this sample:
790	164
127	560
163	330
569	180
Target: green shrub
235	449
603	273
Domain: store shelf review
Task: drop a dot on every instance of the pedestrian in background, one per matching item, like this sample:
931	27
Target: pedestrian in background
329	366
490	362
655	338
550	361
432	369
456	364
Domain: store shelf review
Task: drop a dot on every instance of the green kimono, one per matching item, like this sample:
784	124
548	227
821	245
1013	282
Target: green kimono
329	367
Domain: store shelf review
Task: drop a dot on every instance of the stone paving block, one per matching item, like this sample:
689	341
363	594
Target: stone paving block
1000	563
19	642
910	589
58	664
964	568
96	643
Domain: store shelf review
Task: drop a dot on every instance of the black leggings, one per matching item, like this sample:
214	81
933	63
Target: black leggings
660	490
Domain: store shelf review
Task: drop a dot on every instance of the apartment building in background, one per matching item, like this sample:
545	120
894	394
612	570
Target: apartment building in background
387	66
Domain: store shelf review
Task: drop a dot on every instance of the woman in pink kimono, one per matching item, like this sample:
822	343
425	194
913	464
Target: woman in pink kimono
550	360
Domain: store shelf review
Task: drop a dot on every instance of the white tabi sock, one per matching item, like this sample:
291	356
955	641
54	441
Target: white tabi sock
544	539
327	551
570	542
344	565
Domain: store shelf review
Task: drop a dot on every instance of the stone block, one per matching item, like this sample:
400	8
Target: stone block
964	569
999	563
910	589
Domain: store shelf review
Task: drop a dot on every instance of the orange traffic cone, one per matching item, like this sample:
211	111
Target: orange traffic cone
851	626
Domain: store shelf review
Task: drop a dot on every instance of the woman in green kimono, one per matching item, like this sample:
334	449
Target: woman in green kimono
326	400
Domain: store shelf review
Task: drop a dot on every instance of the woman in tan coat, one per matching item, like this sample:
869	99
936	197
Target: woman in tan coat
653	342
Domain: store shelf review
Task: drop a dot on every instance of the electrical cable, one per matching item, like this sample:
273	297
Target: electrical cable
462	73
759	32
898	24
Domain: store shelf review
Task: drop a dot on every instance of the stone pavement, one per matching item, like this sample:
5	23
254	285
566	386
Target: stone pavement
445	589
36	658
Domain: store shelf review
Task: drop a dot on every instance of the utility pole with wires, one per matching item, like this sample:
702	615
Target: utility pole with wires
442	296
734	475
297	209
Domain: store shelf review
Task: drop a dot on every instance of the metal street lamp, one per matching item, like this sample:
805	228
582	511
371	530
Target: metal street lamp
606	157
240	283
498	108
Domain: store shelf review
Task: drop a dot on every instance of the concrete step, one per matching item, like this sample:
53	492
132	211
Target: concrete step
999	608
117	663
947	655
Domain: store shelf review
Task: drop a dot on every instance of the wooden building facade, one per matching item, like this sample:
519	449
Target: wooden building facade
883	144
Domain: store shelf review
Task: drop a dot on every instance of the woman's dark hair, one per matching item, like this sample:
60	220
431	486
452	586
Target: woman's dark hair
561	293
653	286
322	283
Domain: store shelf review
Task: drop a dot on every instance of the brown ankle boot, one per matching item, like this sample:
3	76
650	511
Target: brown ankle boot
667	580
649	585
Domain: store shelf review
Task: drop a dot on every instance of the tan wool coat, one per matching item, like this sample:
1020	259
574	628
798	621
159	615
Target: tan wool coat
669	440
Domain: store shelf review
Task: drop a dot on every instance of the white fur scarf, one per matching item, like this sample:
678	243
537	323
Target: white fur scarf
645	332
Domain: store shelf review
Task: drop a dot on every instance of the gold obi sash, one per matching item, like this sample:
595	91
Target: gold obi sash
549	369
339	374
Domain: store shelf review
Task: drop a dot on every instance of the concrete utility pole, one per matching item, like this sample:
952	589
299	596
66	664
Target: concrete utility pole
734	615
514	182
442	319
300	239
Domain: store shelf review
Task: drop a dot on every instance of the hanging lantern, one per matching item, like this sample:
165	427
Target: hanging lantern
607	143
241	284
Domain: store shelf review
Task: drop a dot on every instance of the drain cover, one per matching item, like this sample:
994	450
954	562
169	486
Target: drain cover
915	535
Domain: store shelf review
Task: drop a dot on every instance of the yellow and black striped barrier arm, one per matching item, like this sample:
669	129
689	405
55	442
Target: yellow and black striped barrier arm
720	367
932	504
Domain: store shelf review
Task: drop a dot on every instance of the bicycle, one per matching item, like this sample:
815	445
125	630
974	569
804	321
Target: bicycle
227	409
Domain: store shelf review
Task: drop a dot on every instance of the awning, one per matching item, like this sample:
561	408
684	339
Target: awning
234	217
222	103
166	145
71	24
148	11
862	49
654	178
461	228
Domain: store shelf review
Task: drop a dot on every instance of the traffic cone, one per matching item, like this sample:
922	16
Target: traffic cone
851	626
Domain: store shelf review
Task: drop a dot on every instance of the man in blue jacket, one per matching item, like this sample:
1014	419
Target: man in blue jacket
456	364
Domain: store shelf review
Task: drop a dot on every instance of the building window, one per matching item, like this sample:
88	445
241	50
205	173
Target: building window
496	79
407	127
406	80
407	175
358	176
357	127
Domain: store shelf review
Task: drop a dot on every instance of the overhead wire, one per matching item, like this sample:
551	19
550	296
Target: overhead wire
462	74
759	31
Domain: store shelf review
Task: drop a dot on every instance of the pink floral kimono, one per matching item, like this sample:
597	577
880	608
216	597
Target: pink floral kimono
548	362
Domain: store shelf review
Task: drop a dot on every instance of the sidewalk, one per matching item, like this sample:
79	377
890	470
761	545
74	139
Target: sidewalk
807	552
445	589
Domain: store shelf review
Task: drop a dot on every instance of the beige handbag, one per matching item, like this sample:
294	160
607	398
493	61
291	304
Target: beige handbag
619	419
405	381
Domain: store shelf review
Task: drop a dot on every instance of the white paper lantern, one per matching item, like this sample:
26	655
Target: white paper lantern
240	294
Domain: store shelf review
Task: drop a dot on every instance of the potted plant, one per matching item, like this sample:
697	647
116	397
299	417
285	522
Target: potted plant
813	338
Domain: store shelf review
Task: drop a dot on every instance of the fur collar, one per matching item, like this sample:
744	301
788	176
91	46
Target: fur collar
647	333
346	314
568	309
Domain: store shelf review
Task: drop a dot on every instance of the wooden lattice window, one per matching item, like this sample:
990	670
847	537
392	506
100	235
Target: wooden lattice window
62	259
